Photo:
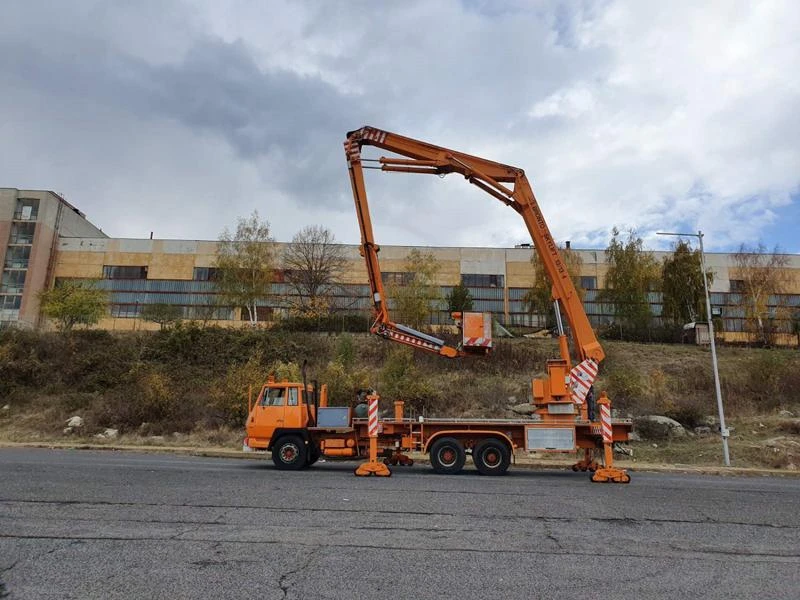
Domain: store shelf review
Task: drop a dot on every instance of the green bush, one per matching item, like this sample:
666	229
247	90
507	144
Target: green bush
401	379
626	387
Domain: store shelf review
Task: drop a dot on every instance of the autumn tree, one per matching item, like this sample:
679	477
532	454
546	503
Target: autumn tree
161	313
313	264
415	299
632	274
682	285
539	299
73	303
761	274
245	264
459	299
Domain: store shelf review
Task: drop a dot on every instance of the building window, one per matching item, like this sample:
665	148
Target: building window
482	280
12	282
397	277
22	233
205	274
17	257
126	311
588	283
737	286
118	272
10	302
27	209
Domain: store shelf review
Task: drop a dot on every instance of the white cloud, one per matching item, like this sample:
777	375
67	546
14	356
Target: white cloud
570	103
635	114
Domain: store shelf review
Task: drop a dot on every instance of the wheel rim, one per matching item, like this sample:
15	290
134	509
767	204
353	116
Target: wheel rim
448	456
289	453
491	458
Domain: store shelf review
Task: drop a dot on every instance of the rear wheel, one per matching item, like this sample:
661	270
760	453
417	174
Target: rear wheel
491	457
448	456
289	453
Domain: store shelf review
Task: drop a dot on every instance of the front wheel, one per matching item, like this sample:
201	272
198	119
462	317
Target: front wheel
448	456
313	455
491	457
289	453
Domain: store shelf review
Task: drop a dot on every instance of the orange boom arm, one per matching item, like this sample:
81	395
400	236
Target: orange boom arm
507	184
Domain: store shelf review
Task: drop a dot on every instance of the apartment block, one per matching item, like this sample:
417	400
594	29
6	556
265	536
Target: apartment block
31	224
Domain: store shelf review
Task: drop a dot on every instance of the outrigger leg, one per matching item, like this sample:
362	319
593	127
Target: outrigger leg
608	473
588	463
397	457
373	467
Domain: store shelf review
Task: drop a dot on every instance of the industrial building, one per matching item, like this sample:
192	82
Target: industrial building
48	239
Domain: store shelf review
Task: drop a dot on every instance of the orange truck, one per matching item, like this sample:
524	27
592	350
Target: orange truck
294	422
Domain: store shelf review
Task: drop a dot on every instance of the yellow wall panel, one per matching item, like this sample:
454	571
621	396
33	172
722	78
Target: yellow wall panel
127	259
171	266
519	274
78	270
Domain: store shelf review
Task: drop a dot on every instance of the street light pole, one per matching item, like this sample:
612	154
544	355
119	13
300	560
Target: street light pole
723	430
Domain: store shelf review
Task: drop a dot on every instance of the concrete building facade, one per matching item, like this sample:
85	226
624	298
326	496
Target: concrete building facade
31	223
138	272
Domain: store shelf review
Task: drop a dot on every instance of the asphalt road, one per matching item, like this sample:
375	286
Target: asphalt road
81	524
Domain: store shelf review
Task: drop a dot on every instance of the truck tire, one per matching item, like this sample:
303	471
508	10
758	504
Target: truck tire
491	457
313	455
448	456
289	453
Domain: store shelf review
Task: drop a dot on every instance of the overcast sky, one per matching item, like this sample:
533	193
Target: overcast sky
178	117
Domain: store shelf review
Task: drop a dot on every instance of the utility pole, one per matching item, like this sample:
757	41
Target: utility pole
723	430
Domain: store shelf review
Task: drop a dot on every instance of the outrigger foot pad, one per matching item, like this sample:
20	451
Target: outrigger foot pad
586	465
611	475
398	459
377	469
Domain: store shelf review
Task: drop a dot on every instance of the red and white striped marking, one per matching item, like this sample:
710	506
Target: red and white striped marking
605	423
374	135
352	150
581	378
478	341
373	416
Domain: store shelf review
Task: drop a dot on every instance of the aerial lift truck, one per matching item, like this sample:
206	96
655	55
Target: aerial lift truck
562	419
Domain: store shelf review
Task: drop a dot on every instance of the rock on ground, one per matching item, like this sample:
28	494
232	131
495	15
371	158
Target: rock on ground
75	422
658	427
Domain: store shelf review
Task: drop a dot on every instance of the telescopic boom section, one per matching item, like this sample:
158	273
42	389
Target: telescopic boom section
489	176
383	325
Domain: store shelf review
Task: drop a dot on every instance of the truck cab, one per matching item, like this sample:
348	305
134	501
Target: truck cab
278	407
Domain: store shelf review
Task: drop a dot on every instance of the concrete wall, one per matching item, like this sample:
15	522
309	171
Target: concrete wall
74	224
36	278
5	234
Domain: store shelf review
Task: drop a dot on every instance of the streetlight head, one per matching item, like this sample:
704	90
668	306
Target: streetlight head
698	234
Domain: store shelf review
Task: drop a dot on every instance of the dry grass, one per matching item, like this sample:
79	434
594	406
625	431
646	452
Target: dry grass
182	387
754	442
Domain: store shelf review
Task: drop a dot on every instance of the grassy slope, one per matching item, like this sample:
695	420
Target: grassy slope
188	386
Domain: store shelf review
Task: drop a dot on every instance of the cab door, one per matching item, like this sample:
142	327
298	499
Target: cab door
269	413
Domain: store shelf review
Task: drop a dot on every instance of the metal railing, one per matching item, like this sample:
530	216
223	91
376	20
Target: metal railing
16	263
21	240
